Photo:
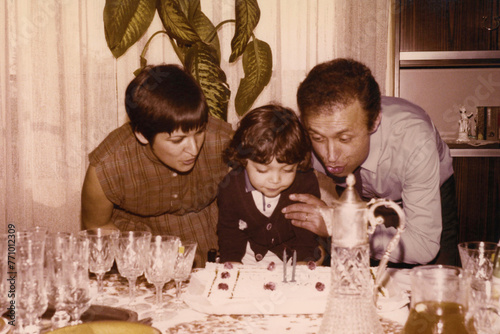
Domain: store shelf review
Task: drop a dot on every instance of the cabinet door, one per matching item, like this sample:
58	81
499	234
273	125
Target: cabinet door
448	25
478	198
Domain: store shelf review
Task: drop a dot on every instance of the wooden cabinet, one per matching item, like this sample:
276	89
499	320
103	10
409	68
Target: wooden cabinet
443	34
449	25
478	197
447	33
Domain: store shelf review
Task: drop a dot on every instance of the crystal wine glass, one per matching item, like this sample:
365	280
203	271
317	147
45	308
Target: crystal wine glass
31	293
131	258
102	245
57	248
160	266
75	279
183	266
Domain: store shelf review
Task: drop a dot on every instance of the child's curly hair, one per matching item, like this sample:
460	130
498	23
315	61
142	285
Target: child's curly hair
268	132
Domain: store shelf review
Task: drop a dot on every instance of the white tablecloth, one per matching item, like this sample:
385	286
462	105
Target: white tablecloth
190	321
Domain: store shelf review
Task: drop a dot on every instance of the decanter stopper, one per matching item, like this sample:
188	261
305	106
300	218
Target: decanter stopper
350	194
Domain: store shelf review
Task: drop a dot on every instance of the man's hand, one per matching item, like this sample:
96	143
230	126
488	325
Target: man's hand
305	214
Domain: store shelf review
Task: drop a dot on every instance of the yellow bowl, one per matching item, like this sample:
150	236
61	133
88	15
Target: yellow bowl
4	326
107	327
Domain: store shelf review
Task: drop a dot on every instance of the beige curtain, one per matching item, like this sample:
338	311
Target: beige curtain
62	92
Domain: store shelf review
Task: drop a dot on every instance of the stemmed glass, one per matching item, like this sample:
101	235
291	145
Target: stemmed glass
160	266
76	282
57	248
183	266
31	293
131	258
102	245
477	259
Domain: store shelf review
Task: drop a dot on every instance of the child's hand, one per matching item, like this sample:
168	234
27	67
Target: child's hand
305	214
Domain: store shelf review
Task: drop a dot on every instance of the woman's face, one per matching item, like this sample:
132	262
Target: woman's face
271	179
179	150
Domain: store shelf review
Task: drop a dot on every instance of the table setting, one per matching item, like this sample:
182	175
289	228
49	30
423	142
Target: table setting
101	281
79	284
191	320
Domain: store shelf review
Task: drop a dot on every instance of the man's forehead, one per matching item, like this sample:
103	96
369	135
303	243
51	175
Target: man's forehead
336	111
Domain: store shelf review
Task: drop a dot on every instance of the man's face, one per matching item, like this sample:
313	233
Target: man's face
178	150
341	139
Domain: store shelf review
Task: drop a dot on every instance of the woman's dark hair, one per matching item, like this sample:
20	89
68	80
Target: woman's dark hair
269	132
336	84
165	98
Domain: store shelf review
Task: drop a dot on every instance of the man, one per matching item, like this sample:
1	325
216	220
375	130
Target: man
393	146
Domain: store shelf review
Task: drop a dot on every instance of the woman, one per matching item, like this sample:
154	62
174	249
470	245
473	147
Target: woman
160	171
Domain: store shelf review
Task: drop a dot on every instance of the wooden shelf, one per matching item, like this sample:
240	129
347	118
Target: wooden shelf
445	59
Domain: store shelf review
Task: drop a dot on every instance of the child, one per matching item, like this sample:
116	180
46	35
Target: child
270	159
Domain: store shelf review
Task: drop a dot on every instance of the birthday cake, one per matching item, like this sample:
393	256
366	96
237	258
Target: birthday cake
239	289
245	283
229	289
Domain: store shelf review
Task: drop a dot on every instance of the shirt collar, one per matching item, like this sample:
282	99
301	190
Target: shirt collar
374	153
248	185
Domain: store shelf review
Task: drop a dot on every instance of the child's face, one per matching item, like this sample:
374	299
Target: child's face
271	179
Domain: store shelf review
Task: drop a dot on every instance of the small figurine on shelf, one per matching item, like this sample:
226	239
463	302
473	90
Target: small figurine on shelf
463	123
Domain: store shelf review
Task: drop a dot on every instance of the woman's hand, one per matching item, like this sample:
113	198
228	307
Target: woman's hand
305	214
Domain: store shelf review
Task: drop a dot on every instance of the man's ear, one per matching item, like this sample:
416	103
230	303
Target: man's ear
376	124
140	137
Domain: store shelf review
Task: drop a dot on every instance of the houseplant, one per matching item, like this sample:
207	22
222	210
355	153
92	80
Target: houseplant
195	41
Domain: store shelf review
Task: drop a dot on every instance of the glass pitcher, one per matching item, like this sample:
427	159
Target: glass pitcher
439	301
351	303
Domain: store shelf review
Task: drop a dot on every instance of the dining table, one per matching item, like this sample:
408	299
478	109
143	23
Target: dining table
189	320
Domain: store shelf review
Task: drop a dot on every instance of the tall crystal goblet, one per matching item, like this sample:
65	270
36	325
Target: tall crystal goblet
57	249
183	267
131	259
75	280
40	233
30	293
160	267
102	246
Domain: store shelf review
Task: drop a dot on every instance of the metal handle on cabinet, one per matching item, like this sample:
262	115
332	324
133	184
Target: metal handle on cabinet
495	19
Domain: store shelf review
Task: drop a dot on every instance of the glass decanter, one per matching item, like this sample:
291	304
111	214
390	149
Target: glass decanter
351	304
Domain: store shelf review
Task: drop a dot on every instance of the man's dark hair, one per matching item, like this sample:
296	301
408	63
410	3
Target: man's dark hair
336	84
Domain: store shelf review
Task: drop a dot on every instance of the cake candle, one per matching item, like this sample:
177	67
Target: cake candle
294	264
284	265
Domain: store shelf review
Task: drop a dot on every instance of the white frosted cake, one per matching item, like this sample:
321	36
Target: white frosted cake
219	289
258	290
242	282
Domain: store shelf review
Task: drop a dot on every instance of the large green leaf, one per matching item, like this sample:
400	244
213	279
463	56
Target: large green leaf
247	14
125	21
201	61
176	23
201	23
258	68
204	27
